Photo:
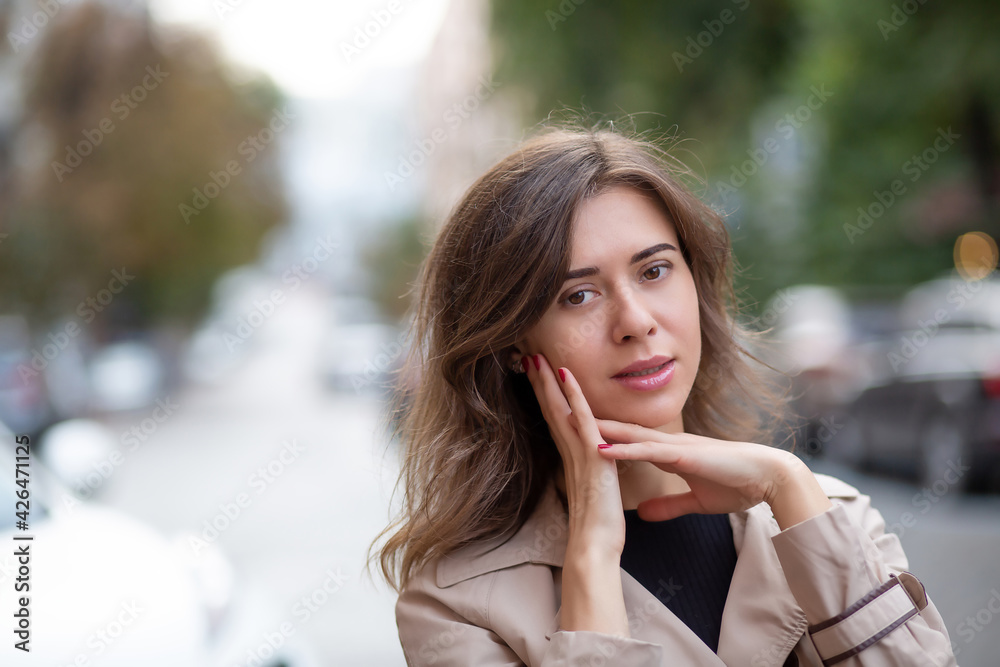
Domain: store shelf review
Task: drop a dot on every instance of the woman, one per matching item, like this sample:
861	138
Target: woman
583	477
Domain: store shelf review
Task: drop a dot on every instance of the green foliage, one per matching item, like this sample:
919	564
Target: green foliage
393	262
726	73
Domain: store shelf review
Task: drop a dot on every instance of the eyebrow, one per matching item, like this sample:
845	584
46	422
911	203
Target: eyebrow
636	258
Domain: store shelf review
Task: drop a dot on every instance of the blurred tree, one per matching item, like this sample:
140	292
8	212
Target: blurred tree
800	112
393	262
148	157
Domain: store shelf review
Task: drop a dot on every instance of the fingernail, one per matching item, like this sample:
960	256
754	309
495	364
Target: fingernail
603	445
538	362
562	374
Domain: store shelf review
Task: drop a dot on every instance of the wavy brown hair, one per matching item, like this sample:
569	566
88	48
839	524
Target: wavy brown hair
476	451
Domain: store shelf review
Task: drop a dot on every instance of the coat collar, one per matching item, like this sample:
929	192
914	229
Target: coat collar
542	539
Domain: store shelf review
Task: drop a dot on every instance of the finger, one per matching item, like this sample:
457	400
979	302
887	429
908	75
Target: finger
586	425
546	392
661	453
623	432
616	431
669	507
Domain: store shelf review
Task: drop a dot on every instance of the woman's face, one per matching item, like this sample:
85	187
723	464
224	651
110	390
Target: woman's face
630	299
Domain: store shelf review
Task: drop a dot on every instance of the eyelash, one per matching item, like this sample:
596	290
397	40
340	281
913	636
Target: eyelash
666	266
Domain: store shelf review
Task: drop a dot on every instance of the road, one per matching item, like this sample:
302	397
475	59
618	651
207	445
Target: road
299	480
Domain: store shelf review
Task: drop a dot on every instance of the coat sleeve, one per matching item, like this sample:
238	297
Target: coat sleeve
434	631
849	577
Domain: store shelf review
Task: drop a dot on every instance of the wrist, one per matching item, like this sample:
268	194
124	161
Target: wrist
591	549
795	495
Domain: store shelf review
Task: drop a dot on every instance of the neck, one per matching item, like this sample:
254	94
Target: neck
638	481
642	480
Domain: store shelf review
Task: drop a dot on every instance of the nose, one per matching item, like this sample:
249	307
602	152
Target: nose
632	317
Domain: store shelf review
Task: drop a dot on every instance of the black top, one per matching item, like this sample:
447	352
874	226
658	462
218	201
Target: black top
687	563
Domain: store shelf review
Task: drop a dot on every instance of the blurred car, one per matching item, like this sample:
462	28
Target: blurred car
24	402
126	375
360	348
103	589
931	410
812	330
359	357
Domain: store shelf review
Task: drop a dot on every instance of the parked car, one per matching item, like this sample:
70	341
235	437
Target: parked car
931	410
360	349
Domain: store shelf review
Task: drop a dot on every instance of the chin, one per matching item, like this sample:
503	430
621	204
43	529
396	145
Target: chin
653	419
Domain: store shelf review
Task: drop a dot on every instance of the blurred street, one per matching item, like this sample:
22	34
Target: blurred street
213	218
316	515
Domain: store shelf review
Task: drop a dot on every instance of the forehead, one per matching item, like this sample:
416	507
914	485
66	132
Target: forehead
620	220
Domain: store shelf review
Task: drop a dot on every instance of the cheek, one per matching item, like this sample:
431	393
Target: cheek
572	345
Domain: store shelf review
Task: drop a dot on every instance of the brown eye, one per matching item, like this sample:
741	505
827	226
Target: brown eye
572	298
657	269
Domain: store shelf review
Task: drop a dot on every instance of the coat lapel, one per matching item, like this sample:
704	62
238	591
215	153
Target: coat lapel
651	621
761	621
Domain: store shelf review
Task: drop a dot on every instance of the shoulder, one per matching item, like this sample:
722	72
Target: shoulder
495	596
856	509
476	578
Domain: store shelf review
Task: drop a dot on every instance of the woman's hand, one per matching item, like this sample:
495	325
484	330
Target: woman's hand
592	598
596	518
722	476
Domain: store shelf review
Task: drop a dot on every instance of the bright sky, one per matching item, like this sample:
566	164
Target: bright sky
302	43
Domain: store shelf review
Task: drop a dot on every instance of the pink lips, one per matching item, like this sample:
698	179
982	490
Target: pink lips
650	381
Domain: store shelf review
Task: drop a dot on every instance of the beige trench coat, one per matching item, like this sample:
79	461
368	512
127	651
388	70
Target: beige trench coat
828	591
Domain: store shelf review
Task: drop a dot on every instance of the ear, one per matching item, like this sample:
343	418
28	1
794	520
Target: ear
515	353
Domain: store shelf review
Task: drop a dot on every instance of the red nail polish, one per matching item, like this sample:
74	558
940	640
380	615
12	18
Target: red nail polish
562	374
603	445
538	362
